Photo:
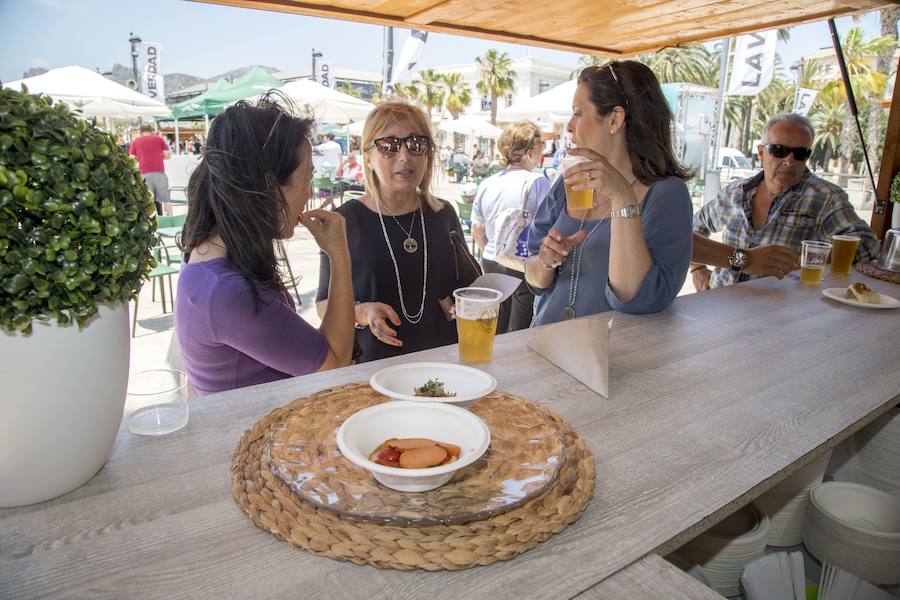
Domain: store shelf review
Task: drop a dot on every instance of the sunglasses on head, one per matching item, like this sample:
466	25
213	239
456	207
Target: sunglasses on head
389	146
779	151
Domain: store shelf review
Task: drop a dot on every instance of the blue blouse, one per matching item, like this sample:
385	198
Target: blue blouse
666	219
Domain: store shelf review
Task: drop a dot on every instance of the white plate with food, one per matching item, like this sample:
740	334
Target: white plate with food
433	382
858	294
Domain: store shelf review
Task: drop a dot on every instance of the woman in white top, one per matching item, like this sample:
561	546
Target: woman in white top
520	146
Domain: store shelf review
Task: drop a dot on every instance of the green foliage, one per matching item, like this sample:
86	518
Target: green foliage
76	219
895	189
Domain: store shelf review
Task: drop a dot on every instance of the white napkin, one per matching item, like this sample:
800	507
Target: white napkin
580	348
505	284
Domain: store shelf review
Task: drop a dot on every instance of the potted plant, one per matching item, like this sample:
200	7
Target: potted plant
76	228
894	197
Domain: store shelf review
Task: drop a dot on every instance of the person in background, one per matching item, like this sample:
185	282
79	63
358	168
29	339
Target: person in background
350	176
517	185
195	144
630	251
235	321
401	240
151	151
480	165
330	152
460	165
764	218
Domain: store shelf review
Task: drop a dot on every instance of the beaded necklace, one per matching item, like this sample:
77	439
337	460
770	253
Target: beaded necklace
569	310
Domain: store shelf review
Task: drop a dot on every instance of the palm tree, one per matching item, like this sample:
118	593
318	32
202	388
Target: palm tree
691	63
459	94
409	92
497	77
828	114
588	60
889	18
432	90
345	88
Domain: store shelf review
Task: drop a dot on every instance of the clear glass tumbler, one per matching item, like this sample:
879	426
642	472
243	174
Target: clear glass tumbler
157	402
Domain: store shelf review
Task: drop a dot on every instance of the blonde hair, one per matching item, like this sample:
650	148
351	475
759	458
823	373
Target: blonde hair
516	140
383	116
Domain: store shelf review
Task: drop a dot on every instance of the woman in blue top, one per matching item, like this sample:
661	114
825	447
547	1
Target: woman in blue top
631	251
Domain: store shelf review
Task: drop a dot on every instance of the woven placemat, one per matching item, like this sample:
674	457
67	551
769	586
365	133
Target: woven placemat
273	507
873	270
523	460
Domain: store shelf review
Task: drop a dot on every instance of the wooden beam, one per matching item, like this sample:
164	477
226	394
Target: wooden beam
890	162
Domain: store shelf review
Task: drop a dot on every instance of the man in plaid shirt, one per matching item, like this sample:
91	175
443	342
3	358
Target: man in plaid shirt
765	217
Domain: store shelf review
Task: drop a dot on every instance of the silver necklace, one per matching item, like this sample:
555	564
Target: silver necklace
409	244
414	318
569	310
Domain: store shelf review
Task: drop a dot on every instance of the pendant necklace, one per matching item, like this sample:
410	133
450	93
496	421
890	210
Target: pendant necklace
409	244
569	310
416	317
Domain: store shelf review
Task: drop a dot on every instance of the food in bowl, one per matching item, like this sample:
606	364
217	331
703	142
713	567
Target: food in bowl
414	453
433	388
862	293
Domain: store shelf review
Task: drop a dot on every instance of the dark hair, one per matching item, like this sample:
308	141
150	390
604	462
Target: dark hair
633	86
329	135
146	128
234	191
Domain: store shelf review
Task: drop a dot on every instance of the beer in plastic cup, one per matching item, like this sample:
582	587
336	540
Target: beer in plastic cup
843	251
477	310
576	200
813	256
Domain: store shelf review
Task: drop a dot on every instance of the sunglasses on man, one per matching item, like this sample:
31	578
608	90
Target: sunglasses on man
389	146
779	151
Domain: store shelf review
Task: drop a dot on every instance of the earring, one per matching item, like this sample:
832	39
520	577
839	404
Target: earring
612	131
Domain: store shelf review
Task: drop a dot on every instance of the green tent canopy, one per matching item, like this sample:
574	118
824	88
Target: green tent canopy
222	94
200	106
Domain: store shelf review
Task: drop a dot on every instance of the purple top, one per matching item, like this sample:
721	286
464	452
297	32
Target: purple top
226	344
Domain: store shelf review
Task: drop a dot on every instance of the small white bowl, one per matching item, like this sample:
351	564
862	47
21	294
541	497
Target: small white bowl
363	431
399	381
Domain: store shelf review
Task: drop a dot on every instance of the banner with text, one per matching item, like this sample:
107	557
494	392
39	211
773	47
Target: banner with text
325	74
150	69
754	63
413	50
804	100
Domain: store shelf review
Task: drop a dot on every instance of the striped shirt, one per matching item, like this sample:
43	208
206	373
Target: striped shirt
812	209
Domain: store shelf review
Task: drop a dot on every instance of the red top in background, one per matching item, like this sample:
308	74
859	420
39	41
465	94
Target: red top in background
148	149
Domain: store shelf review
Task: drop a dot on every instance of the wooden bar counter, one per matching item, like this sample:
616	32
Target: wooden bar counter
711	402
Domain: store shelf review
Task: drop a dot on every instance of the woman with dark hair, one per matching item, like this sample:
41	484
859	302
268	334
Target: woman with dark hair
630	251
407	246
236	323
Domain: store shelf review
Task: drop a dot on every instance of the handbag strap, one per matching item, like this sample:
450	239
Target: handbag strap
526	187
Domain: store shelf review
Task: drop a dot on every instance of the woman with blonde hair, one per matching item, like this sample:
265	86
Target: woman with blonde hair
517	186
407	248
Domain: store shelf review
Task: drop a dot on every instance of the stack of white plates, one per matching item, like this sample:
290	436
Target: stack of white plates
786	503
725	549
856	528
778	576
878	458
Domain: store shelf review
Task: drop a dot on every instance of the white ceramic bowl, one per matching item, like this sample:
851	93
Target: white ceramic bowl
363	431
399	381
856	528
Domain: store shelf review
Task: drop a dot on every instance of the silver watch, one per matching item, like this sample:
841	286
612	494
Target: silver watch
626	212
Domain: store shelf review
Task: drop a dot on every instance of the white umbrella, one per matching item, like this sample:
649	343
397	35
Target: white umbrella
116	110
77	84
326	104
554	105
470	126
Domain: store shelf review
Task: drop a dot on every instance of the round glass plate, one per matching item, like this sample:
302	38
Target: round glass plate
522	461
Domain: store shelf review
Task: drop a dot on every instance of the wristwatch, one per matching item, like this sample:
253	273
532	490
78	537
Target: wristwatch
626	212
738	260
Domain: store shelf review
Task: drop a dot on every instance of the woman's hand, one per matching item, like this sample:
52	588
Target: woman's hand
378	317
555	247
598	174
328	229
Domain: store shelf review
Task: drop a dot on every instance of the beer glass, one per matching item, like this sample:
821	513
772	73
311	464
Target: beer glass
813	256
156	402
843	251
477	310
582	199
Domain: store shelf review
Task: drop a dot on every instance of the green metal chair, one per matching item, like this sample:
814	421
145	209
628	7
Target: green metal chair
173	252
465	217
323	190
162	269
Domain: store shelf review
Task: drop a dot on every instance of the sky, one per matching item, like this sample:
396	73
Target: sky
206	40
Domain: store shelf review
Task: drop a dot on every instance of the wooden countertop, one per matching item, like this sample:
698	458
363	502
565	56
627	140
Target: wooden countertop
711	402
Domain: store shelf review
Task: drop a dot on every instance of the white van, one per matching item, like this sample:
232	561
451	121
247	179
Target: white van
734	165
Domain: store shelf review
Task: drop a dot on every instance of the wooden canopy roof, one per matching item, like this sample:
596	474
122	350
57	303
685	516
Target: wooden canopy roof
607	27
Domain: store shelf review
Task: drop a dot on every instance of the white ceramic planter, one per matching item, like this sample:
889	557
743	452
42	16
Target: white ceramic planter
63	392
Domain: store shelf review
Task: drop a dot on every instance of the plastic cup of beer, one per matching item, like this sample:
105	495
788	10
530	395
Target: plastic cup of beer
477	310
843	251
576	200
813	257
